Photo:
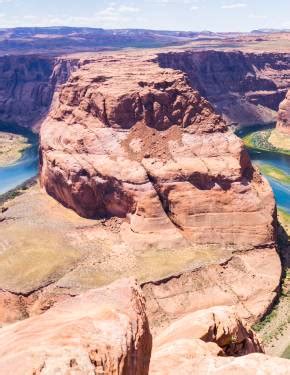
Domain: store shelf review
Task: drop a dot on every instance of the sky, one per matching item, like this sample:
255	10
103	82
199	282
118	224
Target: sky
189	15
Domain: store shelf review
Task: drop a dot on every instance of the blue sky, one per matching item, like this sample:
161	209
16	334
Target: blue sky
215	15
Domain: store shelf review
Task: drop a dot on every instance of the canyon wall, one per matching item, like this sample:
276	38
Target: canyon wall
128	138
283	124
27	86
246	88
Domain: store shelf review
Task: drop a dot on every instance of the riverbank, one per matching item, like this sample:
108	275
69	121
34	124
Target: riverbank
279	140
260	140
274	330
19	153
273	162
275	173
12	147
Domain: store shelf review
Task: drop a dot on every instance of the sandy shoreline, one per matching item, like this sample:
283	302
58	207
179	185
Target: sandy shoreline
11	148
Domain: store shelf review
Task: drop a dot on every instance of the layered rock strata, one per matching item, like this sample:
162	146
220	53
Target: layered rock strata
283	124
130	139
249	282
106	331
27	86
209	341
220	325
103	331
246	88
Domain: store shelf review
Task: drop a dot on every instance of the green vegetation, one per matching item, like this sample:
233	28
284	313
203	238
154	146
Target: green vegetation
259	326
275	173
259	140
19	190
280	140
286	353
284	219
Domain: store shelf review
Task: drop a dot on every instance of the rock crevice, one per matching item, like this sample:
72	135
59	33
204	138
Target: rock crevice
128	138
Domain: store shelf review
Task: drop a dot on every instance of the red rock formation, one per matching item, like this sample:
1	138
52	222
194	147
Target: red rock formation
196	357
248	281
101	331
27	86
283	124
130	139
220	325
245	87
203	343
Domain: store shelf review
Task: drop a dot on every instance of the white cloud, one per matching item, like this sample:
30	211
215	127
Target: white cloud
234	6
112	16
194	7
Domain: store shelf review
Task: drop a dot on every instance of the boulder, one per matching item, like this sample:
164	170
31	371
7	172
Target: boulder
103	331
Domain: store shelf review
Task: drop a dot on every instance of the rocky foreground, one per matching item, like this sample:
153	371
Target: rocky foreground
106	331
158	187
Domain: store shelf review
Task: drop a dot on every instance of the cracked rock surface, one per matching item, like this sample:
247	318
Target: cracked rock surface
130	139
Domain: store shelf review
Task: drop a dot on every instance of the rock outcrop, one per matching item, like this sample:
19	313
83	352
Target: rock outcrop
130	139
27	86
196	357
207	342
248	281
283	124
220	325
246	88
106	331
103	331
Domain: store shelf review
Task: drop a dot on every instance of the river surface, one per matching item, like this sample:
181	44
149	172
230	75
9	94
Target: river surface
26	167
276	160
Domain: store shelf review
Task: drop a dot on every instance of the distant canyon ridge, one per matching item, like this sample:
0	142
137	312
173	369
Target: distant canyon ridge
137	144
243	76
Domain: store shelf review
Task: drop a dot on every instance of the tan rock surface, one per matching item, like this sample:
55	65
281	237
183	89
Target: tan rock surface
283	124
220	325
129	139
248	281
167	363
203	343
208	342
101	331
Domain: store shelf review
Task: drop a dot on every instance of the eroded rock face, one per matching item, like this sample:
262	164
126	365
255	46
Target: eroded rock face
248	281
246	88
27	86
283	124
182	359
206	342
101	331
220	325
130	139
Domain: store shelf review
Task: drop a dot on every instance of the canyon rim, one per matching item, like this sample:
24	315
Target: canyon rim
150	243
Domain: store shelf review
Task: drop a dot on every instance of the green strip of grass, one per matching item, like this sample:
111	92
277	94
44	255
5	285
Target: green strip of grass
260	141
275	173
286	353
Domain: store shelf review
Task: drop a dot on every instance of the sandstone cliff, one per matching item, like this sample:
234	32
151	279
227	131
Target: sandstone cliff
128	138
103	331
106	331
245	87
27	86
283	124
